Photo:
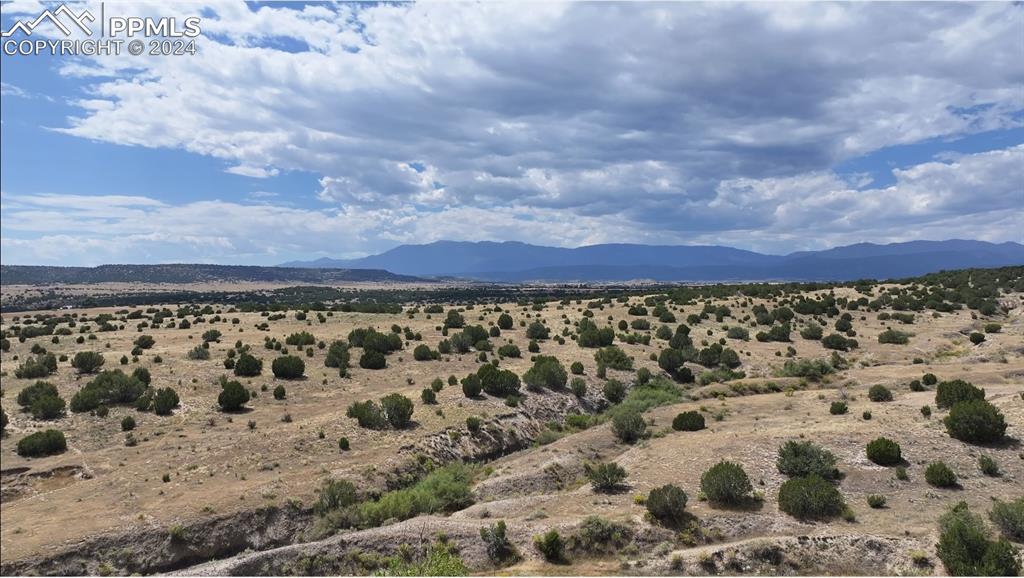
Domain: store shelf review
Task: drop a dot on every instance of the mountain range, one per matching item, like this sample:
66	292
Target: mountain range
514	261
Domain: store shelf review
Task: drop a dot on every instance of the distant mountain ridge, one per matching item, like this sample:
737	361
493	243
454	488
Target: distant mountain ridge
190	273
515	261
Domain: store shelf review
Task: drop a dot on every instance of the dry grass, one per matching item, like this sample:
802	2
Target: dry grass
218	465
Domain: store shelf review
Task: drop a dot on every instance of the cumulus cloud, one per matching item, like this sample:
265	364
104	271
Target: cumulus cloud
571	123
974	196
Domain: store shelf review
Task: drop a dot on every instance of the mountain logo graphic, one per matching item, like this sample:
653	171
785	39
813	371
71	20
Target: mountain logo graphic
57	17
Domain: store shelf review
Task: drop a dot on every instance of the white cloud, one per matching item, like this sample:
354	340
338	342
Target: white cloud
7	89
560	123
974	196
254	172
491	93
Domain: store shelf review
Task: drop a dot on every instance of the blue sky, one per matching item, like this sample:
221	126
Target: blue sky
309	130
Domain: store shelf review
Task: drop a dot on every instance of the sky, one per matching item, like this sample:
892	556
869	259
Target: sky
299	131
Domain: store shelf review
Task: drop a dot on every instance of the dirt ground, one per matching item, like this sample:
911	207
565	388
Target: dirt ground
218	464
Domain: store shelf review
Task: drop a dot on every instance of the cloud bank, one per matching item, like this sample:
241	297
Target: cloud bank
554	123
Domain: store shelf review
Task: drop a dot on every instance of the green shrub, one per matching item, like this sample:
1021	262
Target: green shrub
422	353
812	332
165	400
87	361
929	379
938	474
599	536
338	355
579	421
34	368
248	366
949	393
884	452
629	427
498	382
145	401
688	421
578	386
232	396
811	369
445	489
288	367
128	423
966	550
334	495
280	392
471	386
47	407
614	391
576	368
142	374
300	339
1009	518
509	350
737	332
505	321
500	550
671	360
428	396
368	414
838	408
893	336
726	483
976	338
397	409
810	497
551	546
988	465
876	501
372	360
657	392
879	393
667	504
343	444
546	372
537	330
42	443
111	387
29	395
976	421
801	459
838	342
613	358
605	477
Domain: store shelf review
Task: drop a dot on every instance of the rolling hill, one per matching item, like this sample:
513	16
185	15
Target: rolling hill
187	273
